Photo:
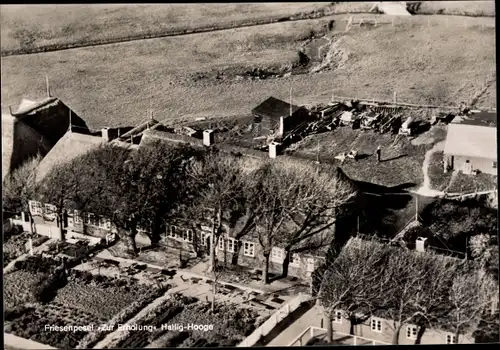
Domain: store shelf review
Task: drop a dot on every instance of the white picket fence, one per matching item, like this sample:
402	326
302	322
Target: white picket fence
276	318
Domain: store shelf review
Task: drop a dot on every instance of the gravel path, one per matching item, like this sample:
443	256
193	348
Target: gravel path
425	189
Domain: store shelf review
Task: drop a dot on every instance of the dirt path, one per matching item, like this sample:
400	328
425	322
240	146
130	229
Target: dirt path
15	342
425	189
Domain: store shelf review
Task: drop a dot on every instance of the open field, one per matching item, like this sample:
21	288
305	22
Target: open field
114	84
42	27
28	28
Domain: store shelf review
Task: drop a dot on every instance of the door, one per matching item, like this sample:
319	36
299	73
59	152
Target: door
467	167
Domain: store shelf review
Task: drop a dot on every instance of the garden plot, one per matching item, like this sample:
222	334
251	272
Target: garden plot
15	245
17	286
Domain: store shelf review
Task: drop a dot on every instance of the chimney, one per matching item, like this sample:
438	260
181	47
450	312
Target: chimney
421	244
208	137
282	127
274	149
105	134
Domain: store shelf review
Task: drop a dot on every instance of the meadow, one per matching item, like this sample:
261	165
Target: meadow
38	27
115	84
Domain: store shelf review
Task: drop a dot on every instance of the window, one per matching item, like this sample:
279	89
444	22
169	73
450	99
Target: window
295	260
451	339
494	165
35	208
91	219
411	332
104	223
249	249
338	316
203	238
310	264
171	232
231	245
77	217
188	235
50	210
277	254
376	325
222	242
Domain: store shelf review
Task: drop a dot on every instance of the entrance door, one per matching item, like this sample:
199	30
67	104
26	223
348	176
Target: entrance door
467	167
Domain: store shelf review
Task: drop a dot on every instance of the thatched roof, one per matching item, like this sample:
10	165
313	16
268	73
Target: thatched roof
69	147
19	143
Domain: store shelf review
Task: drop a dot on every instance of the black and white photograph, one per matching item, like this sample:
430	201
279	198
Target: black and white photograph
267	174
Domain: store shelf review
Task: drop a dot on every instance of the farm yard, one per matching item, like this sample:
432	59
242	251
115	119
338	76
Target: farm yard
363	62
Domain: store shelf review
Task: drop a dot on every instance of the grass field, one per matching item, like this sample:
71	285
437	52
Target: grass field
29	27
114	84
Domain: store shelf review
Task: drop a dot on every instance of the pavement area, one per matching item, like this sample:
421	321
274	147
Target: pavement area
198	285
310	318
12	342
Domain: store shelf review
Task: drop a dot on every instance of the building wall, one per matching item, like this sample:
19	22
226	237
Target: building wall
482	164
430	336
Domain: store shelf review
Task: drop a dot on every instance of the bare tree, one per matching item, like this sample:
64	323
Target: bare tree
355	282
471	298
219	182
274	186
20	187
315	202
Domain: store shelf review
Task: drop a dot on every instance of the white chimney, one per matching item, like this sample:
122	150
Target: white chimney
282	127
273	149
208	137
421	243
105	134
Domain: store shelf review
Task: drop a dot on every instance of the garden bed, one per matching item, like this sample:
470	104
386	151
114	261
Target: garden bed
17	286
15	245
228	326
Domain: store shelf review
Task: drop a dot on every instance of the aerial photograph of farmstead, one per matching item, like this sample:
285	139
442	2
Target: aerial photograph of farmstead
249	174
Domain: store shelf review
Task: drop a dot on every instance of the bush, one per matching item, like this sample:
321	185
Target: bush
46	289
11	314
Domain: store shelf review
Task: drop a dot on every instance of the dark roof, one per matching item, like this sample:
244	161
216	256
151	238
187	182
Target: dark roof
274	108
478	119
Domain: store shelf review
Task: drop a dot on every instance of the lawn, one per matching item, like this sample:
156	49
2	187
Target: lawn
473	183
114	85
24	28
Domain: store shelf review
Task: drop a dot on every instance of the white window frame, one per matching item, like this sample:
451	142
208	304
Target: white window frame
91	219
231	245
450	338
337	316
277	254
295	260
189	235
310	264
104	223
203	238
35	208
50	210
221	244
77	218
411	332
375	324
249	249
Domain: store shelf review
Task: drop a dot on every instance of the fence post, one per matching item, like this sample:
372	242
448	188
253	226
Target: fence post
287	308
354	340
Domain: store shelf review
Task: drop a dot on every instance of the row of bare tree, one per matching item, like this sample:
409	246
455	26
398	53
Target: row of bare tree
277	204
408	288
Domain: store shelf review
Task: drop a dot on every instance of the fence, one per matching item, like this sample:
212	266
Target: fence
429	21
276	318
344	339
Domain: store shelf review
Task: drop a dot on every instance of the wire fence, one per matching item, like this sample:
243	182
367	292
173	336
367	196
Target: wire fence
427	21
